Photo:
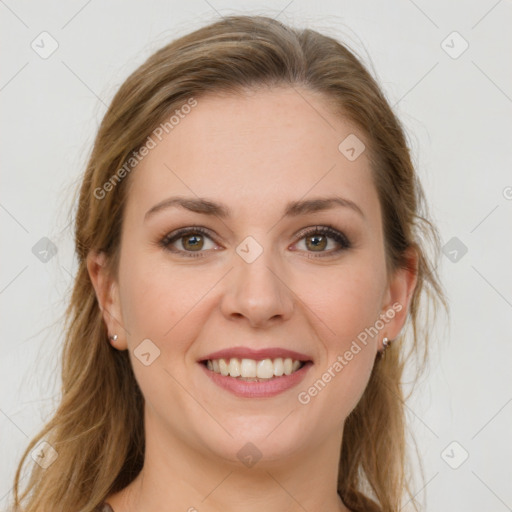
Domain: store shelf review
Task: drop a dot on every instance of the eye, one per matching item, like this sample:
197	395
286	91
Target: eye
317	240
193	241
189	241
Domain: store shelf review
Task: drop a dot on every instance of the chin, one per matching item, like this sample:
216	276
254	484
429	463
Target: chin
267	441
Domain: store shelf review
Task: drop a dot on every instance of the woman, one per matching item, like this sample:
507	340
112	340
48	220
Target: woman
251	237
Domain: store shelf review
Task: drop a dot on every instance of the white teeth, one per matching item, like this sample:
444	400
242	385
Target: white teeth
223	367
265	369
252	369
234	367
248	368
278	367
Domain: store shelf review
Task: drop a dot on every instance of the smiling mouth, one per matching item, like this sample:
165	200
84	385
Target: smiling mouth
252	370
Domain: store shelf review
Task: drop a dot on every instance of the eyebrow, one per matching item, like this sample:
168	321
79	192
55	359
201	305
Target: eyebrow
293	208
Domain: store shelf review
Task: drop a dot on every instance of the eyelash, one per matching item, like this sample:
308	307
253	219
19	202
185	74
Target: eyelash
327	230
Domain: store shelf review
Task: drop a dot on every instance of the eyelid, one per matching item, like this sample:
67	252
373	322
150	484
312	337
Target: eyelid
325	229
173	236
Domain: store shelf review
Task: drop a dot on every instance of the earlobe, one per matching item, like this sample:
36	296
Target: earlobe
399	294
107	295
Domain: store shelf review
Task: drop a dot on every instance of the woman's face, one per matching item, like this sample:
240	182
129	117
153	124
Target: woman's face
258	175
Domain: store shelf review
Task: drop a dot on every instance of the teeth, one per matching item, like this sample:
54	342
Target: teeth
252	369
234	367
278	367
247	368
265	369
223	367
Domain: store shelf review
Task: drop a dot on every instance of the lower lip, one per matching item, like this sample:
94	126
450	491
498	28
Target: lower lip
255	389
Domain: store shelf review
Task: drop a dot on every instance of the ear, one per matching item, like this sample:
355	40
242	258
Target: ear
107	294
399	293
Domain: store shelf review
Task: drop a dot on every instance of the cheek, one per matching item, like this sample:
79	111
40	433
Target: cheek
345	300
148	300
147	293
159	301
346	303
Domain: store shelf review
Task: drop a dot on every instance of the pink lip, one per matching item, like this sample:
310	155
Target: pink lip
258	355
255	389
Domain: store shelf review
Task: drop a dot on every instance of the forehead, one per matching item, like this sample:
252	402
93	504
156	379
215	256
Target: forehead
265	147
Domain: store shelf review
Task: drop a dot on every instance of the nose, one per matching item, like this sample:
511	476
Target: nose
257	292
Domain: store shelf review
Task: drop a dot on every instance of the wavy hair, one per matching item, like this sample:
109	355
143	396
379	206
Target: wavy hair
97	428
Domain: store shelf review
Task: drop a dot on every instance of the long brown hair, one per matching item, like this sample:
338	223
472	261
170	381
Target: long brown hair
97	429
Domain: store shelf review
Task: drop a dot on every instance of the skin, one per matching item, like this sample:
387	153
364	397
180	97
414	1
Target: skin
254	152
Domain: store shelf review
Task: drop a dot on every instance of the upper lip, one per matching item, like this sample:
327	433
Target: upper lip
249	353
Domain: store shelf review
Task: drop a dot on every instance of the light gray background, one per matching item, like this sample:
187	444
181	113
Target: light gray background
457	112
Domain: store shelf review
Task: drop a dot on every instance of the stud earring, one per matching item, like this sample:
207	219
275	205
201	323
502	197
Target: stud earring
385	343
113	338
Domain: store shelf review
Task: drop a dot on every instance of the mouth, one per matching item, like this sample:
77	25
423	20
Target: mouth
256	373
251	378
253	370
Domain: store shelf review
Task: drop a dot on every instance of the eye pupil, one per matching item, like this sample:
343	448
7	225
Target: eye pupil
197	242
319	241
